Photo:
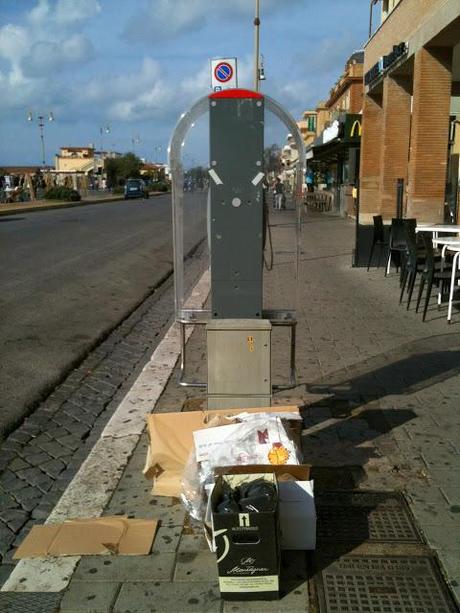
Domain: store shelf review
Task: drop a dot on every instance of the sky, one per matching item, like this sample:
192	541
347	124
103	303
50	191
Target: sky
136	65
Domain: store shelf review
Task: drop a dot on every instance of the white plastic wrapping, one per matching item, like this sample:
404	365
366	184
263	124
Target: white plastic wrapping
260	439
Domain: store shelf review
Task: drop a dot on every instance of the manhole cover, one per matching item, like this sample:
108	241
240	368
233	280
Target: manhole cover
373	584
365	517
30	602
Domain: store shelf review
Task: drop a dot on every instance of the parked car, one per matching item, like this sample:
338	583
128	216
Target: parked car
136	188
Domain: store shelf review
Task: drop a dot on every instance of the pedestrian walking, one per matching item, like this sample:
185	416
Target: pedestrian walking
279	194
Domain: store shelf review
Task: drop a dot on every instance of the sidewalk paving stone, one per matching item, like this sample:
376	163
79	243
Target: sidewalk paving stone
155	567
89	597
294	599
153	597
167	539
192	543
195	566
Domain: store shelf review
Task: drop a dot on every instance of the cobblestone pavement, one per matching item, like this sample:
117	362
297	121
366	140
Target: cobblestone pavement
40	458
379	391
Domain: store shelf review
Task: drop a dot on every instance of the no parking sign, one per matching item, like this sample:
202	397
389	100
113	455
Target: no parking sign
223	74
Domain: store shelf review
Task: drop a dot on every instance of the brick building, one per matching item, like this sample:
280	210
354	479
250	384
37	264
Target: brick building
411	111
347	94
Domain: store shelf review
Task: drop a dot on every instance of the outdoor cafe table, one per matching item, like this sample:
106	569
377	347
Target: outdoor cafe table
437	228
455	247
451	243
445	241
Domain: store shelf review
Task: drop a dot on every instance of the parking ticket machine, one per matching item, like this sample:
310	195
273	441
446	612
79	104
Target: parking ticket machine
238	320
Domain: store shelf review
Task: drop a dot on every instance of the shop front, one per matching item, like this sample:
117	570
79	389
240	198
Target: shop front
333	161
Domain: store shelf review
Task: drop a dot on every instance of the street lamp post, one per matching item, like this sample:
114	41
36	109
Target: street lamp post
158	149
256	46
103	130
135	140
41	126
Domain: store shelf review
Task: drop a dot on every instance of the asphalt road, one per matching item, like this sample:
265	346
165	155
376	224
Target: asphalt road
67	277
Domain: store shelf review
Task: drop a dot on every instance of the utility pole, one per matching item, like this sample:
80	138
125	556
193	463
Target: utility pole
256	46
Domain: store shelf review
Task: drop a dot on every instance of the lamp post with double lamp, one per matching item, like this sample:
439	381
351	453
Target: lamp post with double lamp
41	126
103	130
256	47
99	166
158	149
135	140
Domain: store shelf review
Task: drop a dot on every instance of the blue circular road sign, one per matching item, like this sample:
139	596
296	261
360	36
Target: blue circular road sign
223	72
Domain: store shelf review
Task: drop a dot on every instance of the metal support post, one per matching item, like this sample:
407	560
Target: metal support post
256	46
399	198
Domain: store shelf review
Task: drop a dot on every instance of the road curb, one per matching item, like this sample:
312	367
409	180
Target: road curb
68	205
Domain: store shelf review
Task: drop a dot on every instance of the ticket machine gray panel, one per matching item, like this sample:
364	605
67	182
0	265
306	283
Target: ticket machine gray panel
236	224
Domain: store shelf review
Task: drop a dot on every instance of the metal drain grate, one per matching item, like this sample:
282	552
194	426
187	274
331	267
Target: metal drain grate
373	517
30	602
373	584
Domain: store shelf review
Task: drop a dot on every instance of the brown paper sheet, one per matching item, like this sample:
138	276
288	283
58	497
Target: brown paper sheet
98	536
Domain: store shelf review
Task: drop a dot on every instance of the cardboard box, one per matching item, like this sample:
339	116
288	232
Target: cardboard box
297	513
247	544
171	441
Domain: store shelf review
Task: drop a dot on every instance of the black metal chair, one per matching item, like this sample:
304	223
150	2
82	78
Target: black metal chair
397	246
378	238
432	273
414	261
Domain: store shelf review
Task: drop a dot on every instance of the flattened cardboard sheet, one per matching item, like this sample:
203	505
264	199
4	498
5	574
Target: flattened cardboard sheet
171	441
98	536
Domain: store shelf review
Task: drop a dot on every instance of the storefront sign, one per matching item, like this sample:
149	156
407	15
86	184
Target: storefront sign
385	63
356	129
374	73
352	127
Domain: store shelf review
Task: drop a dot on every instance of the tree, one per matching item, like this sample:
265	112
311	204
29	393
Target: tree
122	168
272	159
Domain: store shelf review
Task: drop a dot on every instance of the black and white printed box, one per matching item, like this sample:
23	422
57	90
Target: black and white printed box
247	545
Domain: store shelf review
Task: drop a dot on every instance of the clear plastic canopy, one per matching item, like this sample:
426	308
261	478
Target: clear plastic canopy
190	205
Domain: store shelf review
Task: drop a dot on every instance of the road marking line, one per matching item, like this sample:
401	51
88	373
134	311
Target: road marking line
90	490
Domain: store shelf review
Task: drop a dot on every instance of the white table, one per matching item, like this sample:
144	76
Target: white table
437	228
455	265
445	241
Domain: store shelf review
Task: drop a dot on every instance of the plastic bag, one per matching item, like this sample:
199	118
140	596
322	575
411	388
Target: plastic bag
260	439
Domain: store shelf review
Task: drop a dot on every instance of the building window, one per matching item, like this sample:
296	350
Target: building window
385	8
311	123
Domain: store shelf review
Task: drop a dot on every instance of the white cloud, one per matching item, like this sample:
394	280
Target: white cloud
76	11
62	12
49	41
138	95
46	57
14	43
165	18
